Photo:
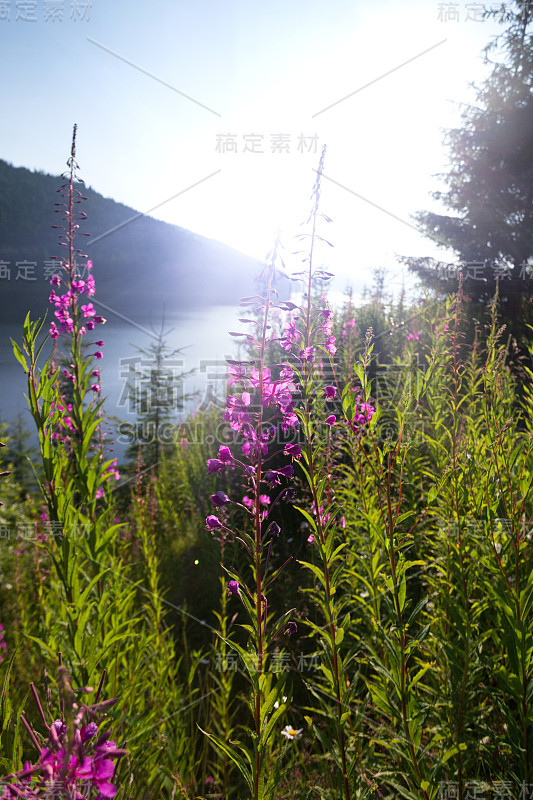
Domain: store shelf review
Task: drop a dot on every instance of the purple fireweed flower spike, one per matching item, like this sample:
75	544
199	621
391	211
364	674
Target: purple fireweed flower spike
220	499
293	450
330	345
287	373
236	374
69	763
365	414
289	421
273	476
330	392
272	532
308	354
224	454
90	731
327	324
291	628
212	522
331	420
233	587
88	310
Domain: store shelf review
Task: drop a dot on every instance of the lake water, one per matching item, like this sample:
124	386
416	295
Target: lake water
202	333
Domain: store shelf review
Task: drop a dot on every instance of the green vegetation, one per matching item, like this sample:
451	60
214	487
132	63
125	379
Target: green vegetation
323	592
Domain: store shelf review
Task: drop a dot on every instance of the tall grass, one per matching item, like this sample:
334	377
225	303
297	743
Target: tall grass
333	600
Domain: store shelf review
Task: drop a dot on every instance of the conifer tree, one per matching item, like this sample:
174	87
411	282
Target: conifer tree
490	183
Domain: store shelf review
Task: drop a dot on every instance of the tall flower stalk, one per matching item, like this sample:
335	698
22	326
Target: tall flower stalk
307	339
75	762
64	402
263	413
90	606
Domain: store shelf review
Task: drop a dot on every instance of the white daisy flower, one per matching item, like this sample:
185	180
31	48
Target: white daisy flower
291	733
276	704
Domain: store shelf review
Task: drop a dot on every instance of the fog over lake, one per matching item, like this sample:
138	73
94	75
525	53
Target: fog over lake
202	333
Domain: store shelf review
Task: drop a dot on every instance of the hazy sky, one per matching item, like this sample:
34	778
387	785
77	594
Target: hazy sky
213	114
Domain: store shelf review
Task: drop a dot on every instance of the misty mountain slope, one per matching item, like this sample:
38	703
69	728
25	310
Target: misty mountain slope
140	264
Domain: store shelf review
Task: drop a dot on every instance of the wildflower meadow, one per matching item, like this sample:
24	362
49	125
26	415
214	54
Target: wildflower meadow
327	593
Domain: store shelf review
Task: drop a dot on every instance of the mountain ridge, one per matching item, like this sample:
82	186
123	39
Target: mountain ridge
140	264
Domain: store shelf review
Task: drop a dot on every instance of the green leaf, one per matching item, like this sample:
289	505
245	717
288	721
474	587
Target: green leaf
316	570
19	355
452	751
273	696
235	757
416	610
401	592
311	520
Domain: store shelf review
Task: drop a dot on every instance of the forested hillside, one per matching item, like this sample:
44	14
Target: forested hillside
140	263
